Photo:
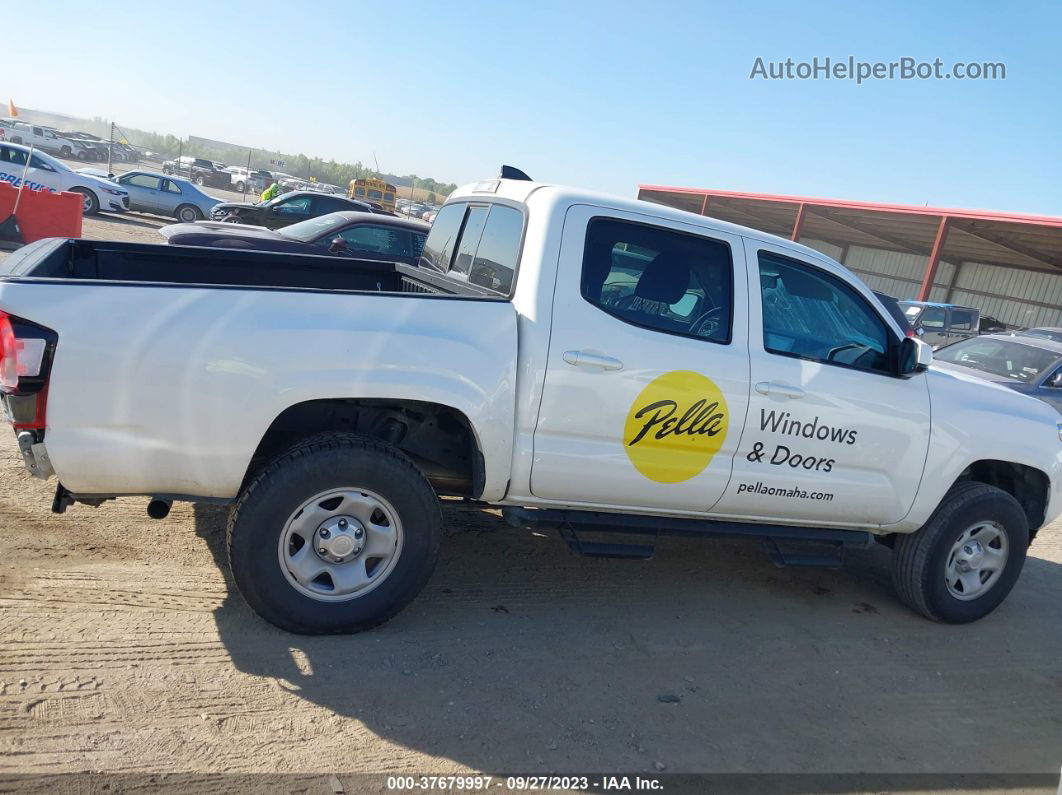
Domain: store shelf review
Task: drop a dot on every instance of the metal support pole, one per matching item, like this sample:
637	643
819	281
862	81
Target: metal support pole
798	223
934	260
110	151
954	278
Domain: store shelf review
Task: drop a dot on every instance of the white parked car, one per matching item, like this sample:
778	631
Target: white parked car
584	362
47	173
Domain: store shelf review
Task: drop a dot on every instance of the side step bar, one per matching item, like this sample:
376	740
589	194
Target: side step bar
569	525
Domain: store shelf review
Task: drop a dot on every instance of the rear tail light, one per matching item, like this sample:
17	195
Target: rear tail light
26	351
8	355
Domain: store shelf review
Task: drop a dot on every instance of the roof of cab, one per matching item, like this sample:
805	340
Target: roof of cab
521	191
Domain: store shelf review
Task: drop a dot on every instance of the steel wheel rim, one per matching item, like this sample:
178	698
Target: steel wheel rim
319	550
976	561
187	215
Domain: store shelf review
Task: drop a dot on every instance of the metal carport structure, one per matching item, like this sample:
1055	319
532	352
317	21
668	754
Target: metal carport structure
1009	265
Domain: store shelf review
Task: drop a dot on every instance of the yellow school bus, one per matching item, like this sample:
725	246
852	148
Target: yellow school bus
373	190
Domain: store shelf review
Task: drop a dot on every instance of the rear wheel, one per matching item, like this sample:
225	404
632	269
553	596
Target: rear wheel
200	181
90	205
187	214
336	535
964	561
66	151
240	186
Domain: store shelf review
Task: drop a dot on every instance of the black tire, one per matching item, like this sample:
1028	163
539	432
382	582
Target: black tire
240	186
66	152
319	464
919	559
200	181
194	213
91	205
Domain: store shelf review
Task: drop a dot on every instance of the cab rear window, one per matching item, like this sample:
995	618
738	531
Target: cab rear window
477	242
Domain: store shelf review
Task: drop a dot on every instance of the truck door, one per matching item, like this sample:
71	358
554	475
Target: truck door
647	377
143	191
833	437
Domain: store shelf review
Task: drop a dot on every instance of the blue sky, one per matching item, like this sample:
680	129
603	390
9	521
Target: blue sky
604	95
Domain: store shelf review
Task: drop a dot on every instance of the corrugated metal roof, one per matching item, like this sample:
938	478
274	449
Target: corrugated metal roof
1013	239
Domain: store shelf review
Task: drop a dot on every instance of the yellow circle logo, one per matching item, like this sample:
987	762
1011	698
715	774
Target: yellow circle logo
675	427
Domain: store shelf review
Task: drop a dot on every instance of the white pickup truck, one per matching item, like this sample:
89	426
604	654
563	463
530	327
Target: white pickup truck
589	364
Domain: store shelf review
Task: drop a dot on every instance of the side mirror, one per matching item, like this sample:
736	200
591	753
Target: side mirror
338	246
915	356
920	331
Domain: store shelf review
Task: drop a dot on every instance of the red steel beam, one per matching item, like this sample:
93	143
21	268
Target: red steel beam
934	259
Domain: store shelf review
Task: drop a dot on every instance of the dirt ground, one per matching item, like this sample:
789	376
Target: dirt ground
125	648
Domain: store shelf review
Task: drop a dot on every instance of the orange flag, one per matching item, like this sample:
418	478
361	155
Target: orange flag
12	111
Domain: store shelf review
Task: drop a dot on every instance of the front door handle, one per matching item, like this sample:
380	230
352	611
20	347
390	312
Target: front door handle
591	359
777	388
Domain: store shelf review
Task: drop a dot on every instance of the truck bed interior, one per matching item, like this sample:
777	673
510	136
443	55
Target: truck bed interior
138	262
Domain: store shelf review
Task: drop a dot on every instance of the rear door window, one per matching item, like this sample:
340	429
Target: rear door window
962	320
377	239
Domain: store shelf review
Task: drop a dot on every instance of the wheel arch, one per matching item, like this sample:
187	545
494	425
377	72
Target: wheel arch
1027	484
440	439
182	205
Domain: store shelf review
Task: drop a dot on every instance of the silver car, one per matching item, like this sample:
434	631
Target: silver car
163	194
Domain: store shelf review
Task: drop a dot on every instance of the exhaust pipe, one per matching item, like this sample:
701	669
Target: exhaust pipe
159	509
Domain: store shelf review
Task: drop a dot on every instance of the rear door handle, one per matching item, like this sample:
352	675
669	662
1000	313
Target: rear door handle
589	359
778	389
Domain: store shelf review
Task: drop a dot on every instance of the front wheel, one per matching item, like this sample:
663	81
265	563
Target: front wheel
200	181
187	214
964	561
336	535
240	186
90	205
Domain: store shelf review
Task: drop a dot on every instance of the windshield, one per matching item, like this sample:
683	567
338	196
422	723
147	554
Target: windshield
1014	360
306	231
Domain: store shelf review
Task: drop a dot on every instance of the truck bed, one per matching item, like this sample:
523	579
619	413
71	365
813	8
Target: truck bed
108	261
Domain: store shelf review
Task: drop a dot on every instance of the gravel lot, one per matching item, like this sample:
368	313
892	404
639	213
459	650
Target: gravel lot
126	649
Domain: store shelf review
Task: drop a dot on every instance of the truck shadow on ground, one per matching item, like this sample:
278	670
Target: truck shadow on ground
519	657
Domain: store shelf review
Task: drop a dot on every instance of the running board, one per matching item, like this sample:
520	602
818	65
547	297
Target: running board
569	525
